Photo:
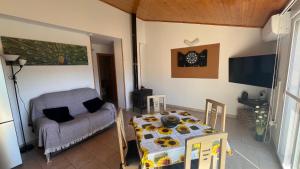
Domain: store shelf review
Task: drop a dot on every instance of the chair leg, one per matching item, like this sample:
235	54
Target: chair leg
48	158
123	165
214	162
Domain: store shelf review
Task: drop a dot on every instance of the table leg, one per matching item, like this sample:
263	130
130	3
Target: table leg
214	162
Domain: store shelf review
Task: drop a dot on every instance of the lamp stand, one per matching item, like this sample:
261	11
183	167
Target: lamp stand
26	147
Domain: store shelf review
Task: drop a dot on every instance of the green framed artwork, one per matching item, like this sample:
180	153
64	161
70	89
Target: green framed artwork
45	53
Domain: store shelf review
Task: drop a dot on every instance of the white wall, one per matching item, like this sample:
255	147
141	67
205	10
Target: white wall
235	41
91	16
36	80
99	48
102	48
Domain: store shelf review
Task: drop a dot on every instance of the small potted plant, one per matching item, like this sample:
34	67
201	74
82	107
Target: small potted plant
261	117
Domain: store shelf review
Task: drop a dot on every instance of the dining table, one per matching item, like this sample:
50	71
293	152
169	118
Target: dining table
160	146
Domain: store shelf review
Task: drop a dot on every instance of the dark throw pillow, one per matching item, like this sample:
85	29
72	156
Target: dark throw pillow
94	104
58	114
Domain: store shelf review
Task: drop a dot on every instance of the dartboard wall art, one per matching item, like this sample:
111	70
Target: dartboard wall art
192	59
196	62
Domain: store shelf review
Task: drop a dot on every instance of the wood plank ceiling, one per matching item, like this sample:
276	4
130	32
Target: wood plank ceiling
246	13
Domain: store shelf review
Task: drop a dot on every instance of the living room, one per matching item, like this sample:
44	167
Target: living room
105	27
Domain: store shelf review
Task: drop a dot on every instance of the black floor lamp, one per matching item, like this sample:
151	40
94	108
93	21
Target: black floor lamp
15	60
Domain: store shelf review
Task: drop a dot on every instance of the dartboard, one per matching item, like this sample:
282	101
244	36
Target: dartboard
191	57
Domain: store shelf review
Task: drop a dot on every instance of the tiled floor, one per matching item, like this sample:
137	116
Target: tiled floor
101	151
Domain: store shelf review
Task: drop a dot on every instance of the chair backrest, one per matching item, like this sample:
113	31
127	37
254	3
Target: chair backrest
212	109
121	137
157	101
207	159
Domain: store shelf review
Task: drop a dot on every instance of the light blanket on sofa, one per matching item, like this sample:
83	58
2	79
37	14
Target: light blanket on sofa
55	136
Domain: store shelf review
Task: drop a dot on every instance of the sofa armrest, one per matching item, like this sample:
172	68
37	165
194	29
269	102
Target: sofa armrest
47	131
111	107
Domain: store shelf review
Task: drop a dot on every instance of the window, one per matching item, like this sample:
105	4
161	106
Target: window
289	143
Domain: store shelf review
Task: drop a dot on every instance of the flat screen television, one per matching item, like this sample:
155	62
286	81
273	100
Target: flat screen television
252	70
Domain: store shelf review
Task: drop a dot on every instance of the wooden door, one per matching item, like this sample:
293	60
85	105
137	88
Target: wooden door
107	77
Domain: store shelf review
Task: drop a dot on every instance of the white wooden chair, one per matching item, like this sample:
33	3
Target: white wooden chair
157	101
206	159
212	109
128	150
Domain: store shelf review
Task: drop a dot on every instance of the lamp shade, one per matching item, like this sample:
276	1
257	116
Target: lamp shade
10	58
22	62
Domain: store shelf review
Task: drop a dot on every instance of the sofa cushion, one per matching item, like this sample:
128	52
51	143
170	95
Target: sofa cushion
58	114
100	118
94	104
74	130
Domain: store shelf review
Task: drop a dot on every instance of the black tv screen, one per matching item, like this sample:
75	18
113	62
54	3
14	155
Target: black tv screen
252	70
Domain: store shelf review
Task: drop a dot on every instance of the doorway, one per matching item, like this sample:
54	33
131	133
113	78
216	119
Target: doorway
109	49
107	77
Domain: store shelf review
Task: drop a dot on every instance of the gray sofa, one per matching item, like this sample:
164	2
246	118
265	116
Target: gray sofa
55	136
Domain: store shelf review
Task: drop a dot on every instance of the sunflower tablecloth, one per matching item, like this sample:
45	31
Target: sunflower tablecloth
162	146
